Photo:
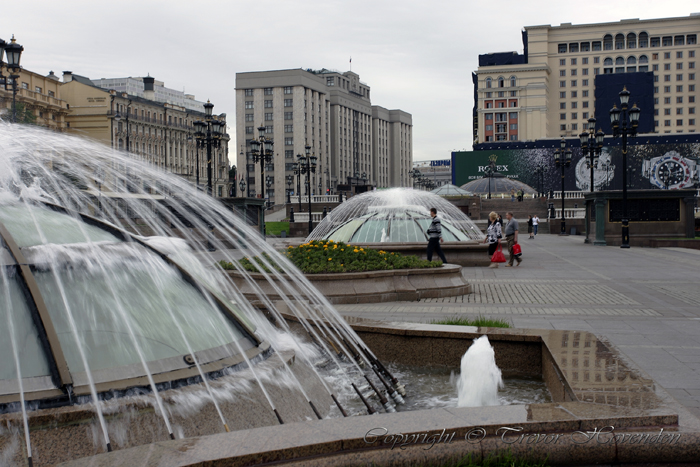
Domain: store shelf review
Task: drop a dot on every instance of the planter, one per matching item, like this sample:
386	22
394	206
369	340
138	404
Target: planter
373	286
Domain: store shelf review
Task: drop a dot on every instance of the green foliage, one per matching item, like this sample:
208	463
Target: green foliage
24	114
317	257
479	321
276	228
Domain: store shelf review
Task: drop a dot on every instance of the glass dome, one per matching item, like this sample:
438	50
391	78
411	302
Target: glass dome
395	215
79	298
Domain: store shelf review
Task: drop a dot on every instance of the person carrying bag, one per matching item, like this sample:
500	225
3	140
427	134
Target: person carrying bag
493	237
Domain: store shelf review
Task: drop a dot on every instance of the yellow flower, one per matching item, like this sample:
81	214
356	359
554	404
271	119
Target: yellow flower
330	259
342	249
355	250
342	265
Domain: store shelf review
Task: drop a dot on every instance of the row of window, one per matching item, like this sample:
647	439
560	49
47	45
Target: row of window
501	82
574	94
679	111
679	88
679	122
501	137
631	41
489	95
502	116
502	127
500	105
268	91
268	104
249	130
574	105
679	77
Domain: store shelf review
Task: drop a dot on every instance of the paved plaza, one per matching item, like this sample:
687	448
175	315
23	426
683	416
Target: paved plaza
645	301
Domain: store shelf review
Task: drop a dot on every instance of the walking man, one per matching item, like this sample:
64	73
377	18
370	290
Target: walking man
435	237
511	239
535	223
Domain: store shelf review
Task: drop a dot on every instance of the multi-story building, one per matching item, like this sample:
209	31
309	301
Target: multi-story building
551	89
332	113
134	86
159	132
39	96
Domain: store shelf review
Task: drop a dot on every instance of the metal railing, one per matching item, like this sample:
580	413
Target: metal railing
315	199
571	194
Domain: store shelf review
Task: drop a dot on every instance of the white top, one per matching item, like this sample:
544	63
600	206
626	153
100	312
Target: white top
535	220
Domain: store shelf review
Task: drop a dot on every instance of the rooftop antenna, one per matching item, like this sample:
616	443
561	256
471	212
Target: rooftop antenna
350	63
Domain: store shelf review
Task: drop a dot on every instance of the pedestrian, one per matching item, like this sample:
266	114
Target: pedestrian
435	237
530	226
512	195
521	195
511	239
500	221
535	223
493	236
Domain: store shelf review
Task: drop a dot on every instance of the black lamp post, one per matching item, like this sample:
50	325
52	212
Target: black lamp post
261	149
208	135
242	185
297	171
490	170
14	53
290	180
559	154
630	121
307	166
415	175
268	184
591	147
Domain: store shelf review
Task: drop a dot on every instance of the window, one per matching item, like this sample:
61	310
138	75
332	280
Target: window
489	105
574	105
51	93
679	111
667	41
513	115
268	117
655	67
596	59
596	46
584	104
513	104
667	78
656	101
619	41
514	94
562	72
585	47
574	126
562	106
268	91
667	111
574	94
248	117
288	102
562	62
37	89
248	92
489	127
330	81
679	88
584	93
562	95
667	122
679	66
289	115
489	138
573	72
501	105
607	42
501	117
667	55
488	116
562	116
501	128
573	48
501	82
691	88
584	82
288	141
656	123
679	40
289	128
679	77
512	81
287	89
289	153
691	54
501	94
667	100
655	42
249	130
691	39
667	88
691	76
574	115
667	66
596	71
562	127
488	82
573	61
584	72
643	40
679	122
691	65
562	48
248	104
268	104
562	84
268	129
691	122
573	82
513	137
584	115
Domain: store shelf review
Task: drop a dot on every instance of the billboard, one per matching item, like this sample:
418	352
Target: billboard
663	166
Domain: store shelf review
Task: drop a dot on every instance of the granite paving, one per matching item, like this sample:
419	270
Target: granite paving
645	301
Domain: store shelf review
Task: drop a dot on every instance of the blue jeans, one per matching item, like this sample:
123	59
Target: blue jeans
535	228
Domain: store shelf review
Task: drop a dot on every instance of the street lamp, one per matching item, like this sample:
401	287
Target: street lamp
296	168
307	166
490	170
268	184
14	53
208	134
415	175
630	118
591	147
290	180
261	149
559	154
241	185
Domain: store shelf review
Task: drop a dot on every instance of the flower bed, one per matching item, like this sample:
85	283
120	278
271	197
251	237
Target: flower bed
318	257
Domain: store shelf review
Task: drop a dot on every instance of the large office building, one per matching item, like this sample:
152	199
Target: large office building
38	99
354	141
568	73
151	128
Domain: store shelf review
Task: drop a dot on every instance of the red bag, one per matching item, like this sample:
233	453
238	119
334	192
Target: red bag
517	251
498	256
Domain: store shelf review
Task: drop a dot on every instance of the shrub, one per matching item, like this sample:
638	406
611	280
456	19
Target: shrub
320	256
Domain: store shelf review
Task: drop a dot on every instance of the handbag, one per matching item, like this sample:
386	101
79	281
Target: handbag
517	251
498	256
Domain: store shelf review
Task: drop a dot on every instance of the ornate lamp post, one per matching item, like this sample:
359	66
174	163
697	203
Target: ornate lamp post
630	121
241	185
415	175
490	170
261	150
208	135
14	53
307	166
268	184
591	147
290	180
565	154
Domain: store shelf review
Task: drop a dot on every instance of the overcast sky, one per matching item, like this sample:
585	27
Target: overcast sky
416	55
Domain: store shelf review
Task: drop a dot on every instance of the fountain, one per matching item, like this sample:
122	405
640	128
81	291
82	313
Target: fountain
480	377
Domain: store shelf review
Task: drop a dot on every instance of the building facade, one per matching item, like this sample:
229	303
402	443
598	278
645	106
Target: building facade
154	131
550	89
332	113
38	96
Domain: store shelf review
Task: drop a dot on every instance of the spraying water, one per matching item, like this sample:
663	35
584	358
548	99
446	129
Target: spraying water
480	378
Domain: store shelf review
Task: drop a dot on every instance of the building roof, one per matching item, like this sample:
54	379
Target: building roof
451	190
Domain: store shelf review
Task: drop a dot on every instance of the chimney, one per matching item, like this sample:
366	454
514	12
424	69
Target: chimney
148	88
52	76
67	76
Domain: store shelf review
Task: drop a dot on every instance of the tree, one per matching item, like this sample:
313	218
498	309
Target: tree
24	114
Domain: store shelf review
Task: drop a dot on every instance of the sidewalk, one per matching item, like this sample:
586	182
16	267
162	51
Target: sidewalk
645	301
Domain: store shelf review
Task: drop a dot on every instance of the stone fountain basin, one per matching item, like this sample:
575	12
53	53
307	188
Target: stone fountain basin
372	286
592	384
